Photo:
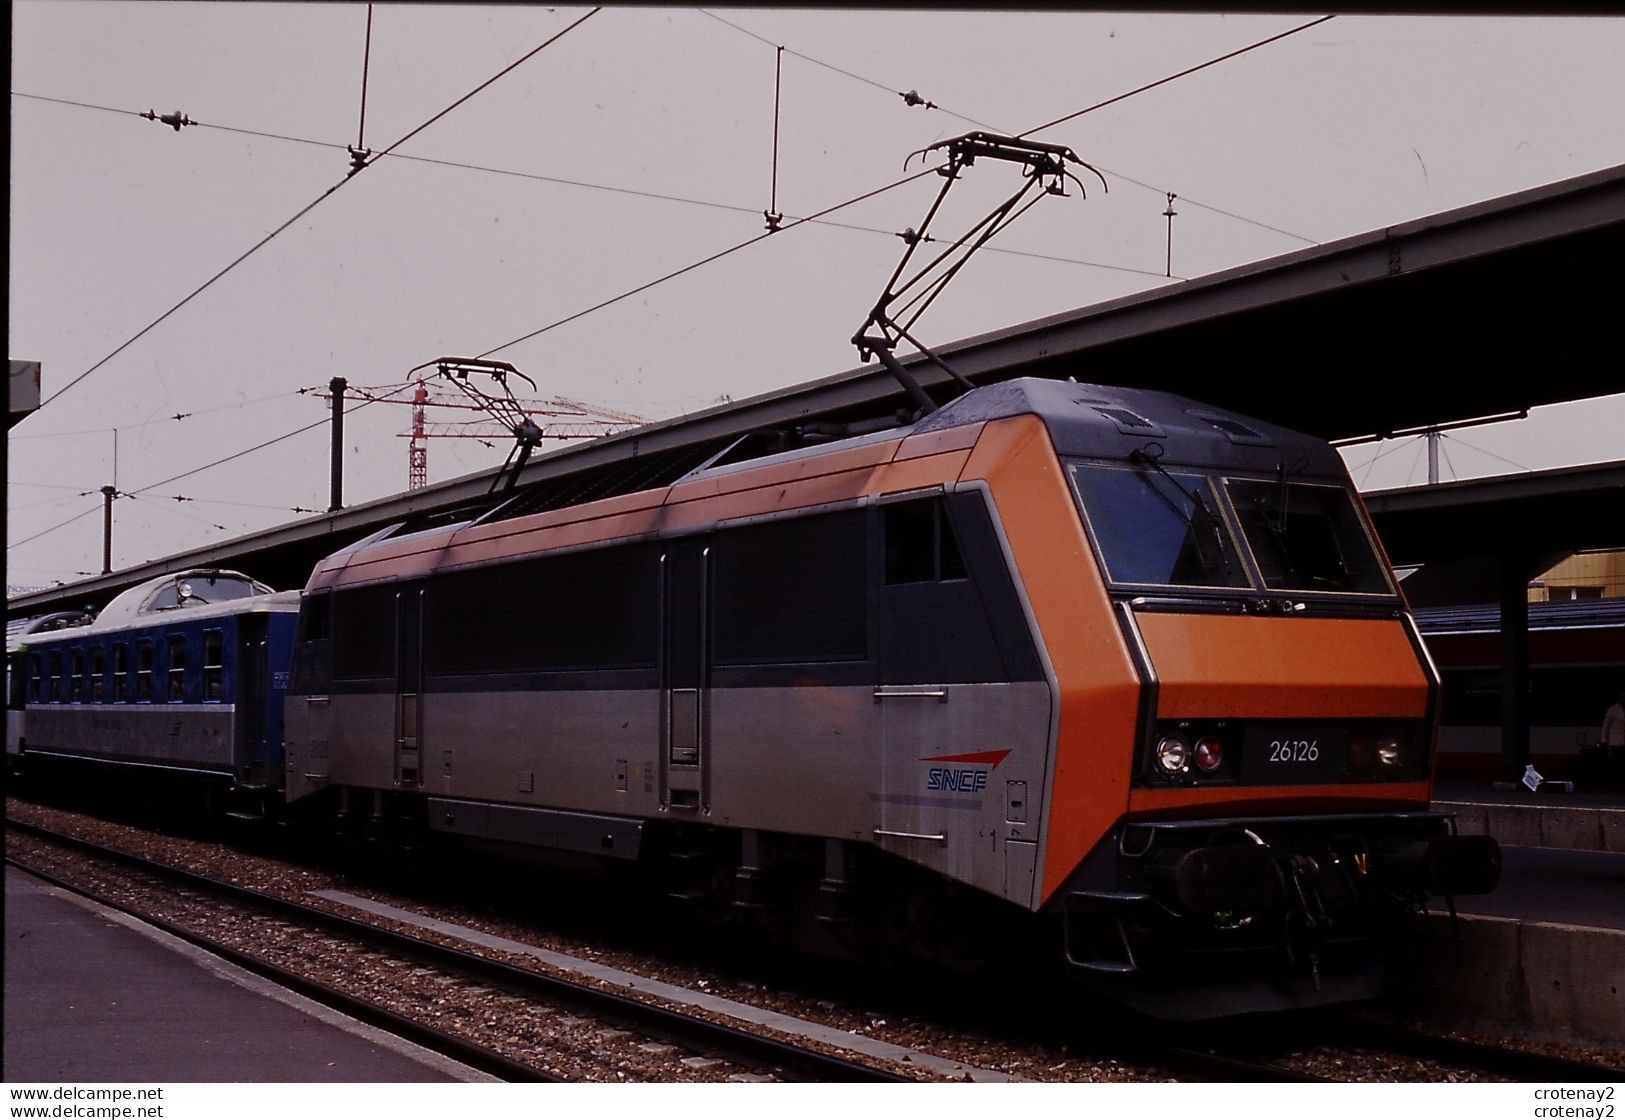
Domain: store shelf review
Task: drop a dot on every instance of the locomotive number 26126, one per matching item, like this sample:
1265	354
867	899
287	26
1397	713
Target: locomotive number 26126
1294	750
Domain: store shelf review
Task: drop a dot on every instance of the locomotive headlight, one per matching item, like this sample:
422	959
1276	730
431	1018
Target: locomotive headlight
1209	754
1390	751
1172	754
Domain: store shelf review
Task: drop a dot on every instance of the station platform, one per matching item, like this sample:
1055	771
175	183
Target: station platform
1543	955
1586	820
94	996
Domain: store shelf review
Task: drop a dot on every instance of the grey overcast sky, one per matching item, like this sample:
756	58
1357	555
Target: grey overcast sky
1358	123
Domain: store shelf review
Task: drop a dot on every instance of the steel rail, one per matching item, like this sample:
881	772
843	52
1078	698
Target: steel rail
1204	1065
690	1030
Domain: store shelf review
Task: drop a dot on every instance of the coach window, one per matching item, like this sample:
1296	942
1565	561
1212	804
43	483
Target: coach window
143	670
98	674
213	664
177	668
36	677
18	680
76	675
121	673
53	677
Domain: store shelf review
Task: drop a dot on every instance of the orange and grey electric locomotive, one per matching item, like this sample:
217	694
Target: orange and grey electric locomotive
1101	663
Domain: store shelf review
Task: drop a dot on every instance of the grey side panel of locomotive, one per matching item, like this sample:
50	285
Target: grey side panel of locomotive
191	736
942	776
1023	850
342	740
591	751
585	750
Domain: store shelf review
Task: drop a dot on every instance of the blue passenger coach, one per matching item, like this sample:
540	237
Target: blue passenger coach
19	632
183	673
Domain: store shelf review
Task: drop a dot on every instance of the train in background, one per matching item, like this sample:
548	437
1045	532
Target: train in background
1097	673
18	633
1576	670
181	676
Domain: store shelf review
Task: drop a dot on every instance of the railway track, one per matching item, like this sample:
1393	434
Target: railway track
1344	1047
745	1048
1359	1042
1352	1030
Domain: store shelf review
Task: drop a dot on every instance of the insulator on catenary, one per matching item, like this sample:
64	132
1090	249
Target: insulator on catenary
175	120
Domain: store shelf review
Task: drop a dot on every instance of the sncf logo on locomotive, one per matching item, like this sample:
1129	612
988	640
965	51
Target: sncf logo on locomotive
966	777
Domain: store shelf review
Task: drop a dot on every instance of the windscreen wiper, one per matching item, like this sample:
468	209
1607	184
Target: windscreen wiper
1209	523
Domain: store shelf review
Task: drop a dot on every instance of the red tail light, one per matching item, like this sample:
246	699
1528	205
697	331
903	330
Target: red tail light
1209	754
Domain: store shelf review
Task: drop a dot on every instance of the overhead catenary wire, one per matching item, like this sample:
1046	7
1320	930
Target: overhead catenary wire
61	525
317	201
1175	77
181	513
633	192
746	244
836	69
13	507
707	260
675	273
51	486
50	571
1117	174
178	417
245	451
241	505
143	490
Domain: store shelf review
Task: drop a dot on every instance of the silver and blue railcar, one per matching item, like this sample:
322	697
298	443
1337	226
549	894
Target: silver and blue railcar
184	673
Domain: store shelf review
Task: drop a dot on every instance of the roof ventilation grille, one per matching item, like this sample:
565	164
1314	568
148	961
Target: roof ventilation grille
1234	429
1129	423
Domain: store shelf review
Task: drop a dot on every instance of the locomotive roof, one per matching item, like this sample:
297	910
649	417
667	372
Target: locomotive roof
1083	420
1103	421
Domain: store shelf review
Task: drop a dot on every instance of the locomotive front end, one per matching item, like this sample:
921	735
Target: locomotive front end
1275	844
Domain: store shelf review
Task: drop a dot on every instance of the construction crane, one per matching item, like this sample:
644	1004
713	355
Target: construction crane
553	418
